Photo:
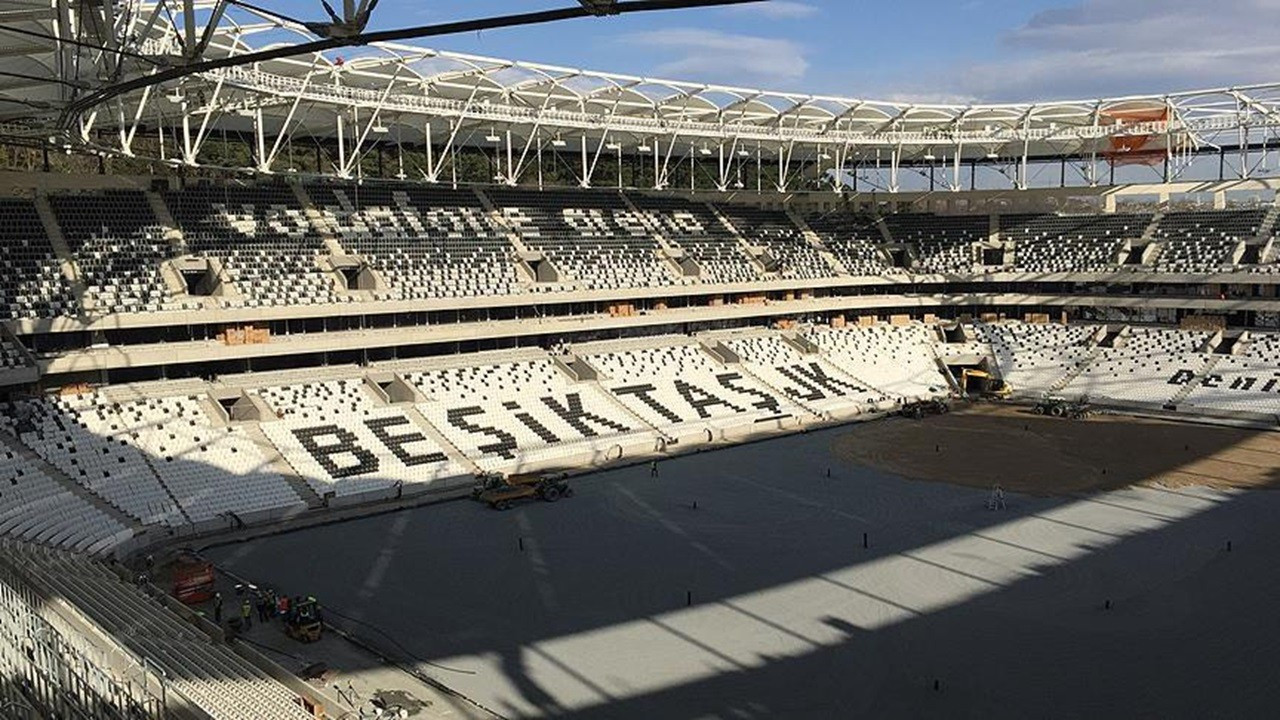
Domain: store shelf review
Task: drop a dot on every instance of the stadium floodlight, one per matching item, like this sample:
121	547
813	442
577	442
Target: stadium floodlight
744	153
930	157
379	129
491	137
558	143
993	155
824	155
613	146
704	150
645	148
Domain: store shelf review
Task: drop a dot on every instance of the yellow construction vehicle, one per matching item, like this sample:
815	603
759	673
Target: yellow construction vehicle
303	623
499	491
983	384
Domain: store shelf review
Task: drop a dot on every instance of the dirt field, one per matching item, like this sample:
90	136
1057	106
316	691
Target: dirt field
985	445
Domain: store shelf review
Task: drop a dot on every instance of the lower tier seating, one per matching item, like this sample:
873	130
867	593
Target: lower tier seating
1139	371
208	674
808	380
681	390
897	360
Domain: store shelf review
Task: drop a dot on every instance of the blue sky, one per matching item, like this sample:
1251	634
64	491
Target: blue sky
957	50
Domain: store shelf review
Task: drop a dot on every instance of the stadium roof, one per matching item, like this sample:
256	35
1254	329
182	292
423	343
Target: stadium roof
414	93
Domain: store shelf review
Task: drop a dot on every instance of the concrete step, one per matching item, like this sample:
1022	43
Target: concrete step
439	438
279	464
61	249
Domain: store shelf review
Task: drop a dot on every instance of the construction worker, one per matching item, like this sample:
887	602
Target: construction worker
653	468
246	614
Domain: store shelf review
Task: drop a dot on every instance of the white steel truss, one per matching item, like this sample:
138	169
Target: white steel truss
355	96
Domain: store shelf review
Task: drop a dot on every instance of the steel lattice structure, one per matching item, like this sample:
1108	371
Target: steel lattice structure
382	92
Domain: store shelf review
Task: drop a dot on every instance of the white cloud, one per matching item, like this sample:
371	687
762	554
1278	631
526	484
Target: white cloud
778	9
1103	47
715	56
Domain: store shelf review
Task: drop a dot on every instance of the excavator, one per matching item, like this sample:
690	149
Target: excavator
983	384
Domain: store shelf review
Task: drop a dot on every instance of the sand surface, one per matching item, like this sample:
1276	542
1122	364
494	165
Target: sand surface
985	445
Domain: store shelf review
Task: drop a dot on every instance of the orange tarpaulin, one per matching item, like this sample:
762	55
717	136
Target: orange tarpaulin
1149	149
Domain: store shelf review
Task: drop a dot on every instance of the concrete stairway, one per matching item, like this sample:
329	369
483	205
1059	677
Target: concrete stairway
1076	371
1190	386
61	249
278	463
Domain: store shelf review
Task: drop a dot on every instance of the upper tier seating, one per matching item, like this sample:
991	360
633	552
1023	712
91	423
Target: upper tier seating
425	242
90	440
1204	241
592	237
210	470
809	380
692	226
118	245
33	284
785	242
853	239
1248	382
944	243
504	415
12	356
892	359
34	507
1071	243
1139	371
679	389
339	440
209	674
1033	357
263	237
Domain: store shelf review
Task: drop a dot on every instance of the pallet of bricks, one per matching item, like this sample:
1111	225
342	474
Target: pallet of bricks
246	335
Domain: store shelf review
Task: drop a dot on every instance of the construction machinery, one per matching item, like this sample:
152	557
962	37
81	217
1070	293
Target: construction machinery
303	622
500	491
983	384
1061	407
919	409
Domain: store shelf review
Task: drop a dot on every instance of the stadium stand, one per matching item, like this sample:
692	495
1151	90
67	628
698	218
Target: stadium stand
118	246
209	674
896	360
524	412
695	228
1204	241
340	441
593	237
264	239
1138	370
808	380
1033	358
675	386
36	508
33	284
1047	243
210	470
853	239
425	242
1248	382
88	439
944	243
777	234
